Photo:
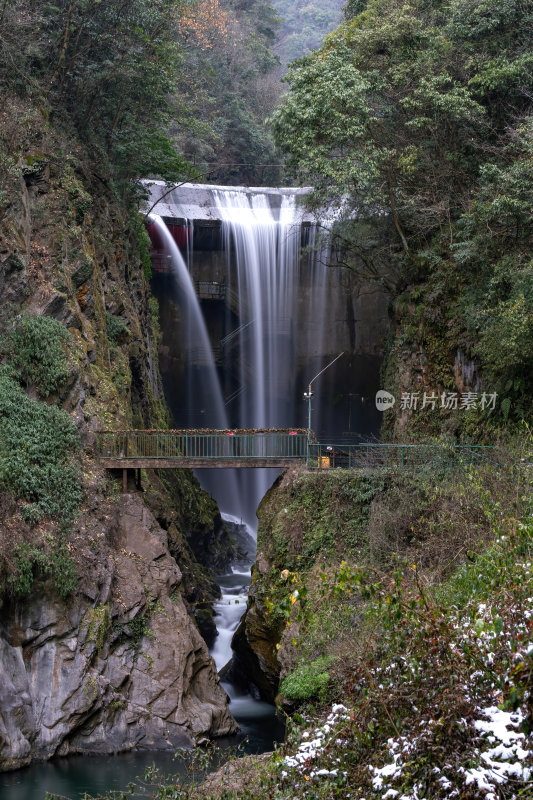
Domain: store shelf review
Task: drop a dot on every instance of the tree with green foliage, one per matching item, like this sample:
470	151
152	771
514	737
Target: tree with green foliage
225	92
141	83
105	67
304	25
354	7
413	122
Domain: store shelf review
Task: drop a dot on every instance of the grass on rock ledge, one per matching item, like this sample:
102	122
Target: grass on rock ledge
438	703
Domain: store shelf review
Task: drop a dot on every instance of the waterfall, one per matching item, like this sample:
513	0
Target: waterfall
271	339
268	309
196	328
203	385
262	249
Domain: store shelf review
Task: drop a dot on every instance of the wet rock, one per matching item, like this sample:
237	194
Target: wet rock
206	623
255	660
15	238
83	271
55	307
13	263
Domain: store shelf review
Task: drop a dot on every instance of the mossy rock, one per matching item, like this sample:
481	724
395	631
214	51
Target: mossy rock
13	264
84	271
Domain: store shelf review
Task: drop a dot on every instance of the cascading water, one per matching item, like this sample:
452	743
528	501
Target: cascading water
256	719
272	333
263	260
201	377
196	328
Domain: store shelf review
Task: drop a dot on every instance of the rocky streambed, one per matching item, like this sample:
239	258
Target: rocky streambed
257	719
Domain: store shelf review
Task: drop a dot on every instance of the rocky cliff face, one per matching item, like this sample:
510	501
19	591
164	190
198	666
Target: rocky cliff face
119	666
120	663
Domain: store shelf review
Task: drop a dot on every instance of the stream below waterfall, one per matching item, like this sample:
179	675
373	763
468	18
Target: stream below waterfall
74	776
257	719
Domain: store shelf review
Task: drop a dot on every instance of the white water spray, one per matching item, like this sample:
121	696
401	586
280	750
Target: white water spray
263	238
276	328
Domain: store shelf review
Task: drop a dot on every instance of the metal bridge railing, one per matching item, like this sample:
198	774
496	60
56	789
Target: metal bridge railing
189	445
324	456
186	445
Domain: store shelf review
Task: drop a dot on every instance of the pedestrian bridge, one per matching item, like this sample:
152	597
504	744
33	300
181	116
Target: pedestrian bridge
275	449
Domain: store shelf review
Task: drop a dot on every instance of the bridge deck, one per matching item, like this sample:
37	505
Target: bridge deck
201	463
196	449
263	449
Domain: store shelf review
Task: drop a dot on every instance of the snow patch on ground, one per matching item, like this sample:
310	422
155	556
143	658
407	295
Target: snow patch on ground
313	744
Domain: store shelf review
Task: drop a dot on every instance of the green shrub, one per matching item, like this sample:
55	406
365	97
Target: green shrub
32	561
116	327
37	445
145	246
36	348
308	680
99	625
137	628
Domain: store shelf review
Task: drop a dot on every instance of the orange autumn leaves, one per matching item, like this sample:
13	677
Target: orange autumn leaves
204	21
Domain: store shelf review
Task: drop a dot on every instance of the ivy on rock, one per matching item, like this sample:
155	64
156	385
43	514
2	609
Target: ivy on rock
38	443
37	350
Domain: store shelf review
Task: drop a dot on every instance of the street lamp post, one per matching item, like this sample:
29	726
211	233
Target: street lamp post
308	395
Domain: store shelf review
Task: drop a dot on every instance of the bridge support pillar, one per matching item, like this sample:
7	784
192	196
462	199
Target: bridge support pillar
131	480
